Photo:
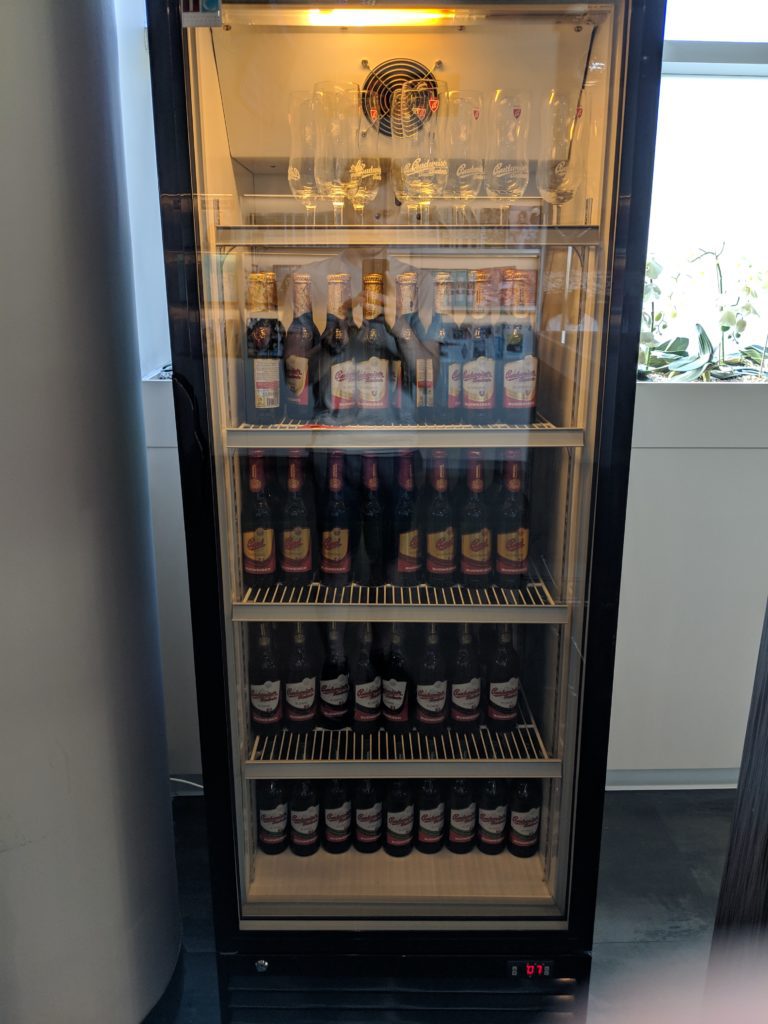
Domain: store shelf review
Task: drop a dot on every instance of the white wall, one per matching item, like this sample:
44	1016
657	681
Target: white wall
694	584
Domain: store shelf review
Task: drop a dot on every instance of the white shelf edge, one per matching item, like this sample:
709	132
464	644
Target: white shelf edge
534	768
394	437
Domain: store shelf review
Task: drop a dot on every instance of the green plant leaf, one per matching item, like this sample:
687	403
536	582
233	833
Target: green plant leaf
705	345
653	268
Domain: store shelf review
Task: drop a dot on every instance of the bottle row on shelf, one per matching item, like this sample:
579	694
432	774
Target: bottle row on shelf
426	686
400	816
478	369
364	526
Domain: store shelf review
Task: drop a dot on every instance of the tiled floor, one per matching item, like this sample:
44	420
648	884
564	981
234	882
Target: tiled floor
662	855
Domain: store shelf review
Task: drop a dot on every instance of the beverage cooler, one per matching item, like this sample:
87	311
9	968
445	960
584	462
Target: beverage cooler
404	259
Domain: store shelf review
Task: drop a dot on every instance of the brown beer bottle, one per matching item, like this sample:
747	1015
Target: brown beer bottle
406	547
479	370
300	685
372	515
465	686
462	817
374	348
399	819
264	341
335	384
301	347
334	682
337	817
258	528
430	817
491	817
431	712
272	802
335	548
512	525
369	815
296	561
440	534
501	710
524	818
396	686
265	684
475	528
304	819
365	682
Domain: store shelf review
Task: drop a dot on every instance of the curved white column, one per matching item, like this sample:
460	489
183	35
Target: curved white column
89	928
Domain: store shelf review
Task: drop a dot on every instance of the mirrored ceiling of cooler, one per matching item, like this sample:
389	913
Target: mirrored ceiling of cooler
534	51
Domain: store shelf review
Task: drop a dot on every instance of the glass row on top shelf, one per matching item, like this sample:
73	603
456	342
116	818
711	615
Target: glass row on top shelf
475	363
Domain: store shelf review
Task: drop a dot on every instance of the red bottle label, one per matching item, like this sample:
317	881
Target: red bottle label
259	557
441	552
512	552
336	558
296	550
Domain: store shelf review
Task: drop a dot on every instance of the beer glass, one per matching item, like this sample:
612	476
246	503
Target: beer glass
335	106
420	163
301	159
560	169
366	171
464	127
506	161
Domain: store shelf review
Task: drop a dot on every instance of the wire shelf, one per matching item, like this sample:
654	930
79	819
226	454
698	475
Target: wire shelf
294	434
342	753
357	602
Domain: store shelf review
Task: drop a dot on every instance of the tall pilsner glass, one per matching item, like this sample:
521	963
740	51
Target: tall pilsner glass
366	172
560	169
336	106
421	127
464	130
301	159
506	162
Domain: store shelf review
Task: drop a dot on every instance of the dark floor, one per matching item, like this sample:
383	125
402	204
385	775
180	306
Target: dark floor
662	855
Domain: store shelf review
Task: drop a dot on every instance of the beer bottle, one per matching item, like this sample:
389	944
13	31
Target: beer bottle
368	817
465	686
417	391
430	817
374	348
302	343
406	547
503	684
398	815
300	685
296	561
524	818
366	686
396	687
272	834
462	817
335	548
479	369
475	528
335	382
258	528
337	817
432	688
440	535
304	819
265	684
265	338
334	682
445	336
519	365
512	526
491	817
372	515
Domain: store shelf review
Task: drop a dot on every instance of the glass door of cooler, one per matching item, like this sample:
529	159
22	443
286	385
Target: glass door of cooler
404	222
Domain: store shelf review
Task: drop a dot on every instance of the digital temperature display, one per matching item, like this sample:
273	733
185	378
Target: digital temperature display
530	968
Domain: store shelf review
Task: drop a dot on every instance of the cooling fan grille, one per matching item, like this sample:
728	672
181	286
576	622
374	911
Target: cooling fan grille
380	104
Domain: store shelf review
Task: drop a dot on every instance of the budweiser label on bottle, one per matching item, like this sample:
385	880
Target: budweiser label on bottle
395	687
399	818
375	344
441	538
301	338
296	537
462	817
520	365
334	681
343	371
503	684
272	836
369	817
524	826
432	687
479	371
525	818
465	685
258	536
430	812
335	551
337	818
491	822
304	818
